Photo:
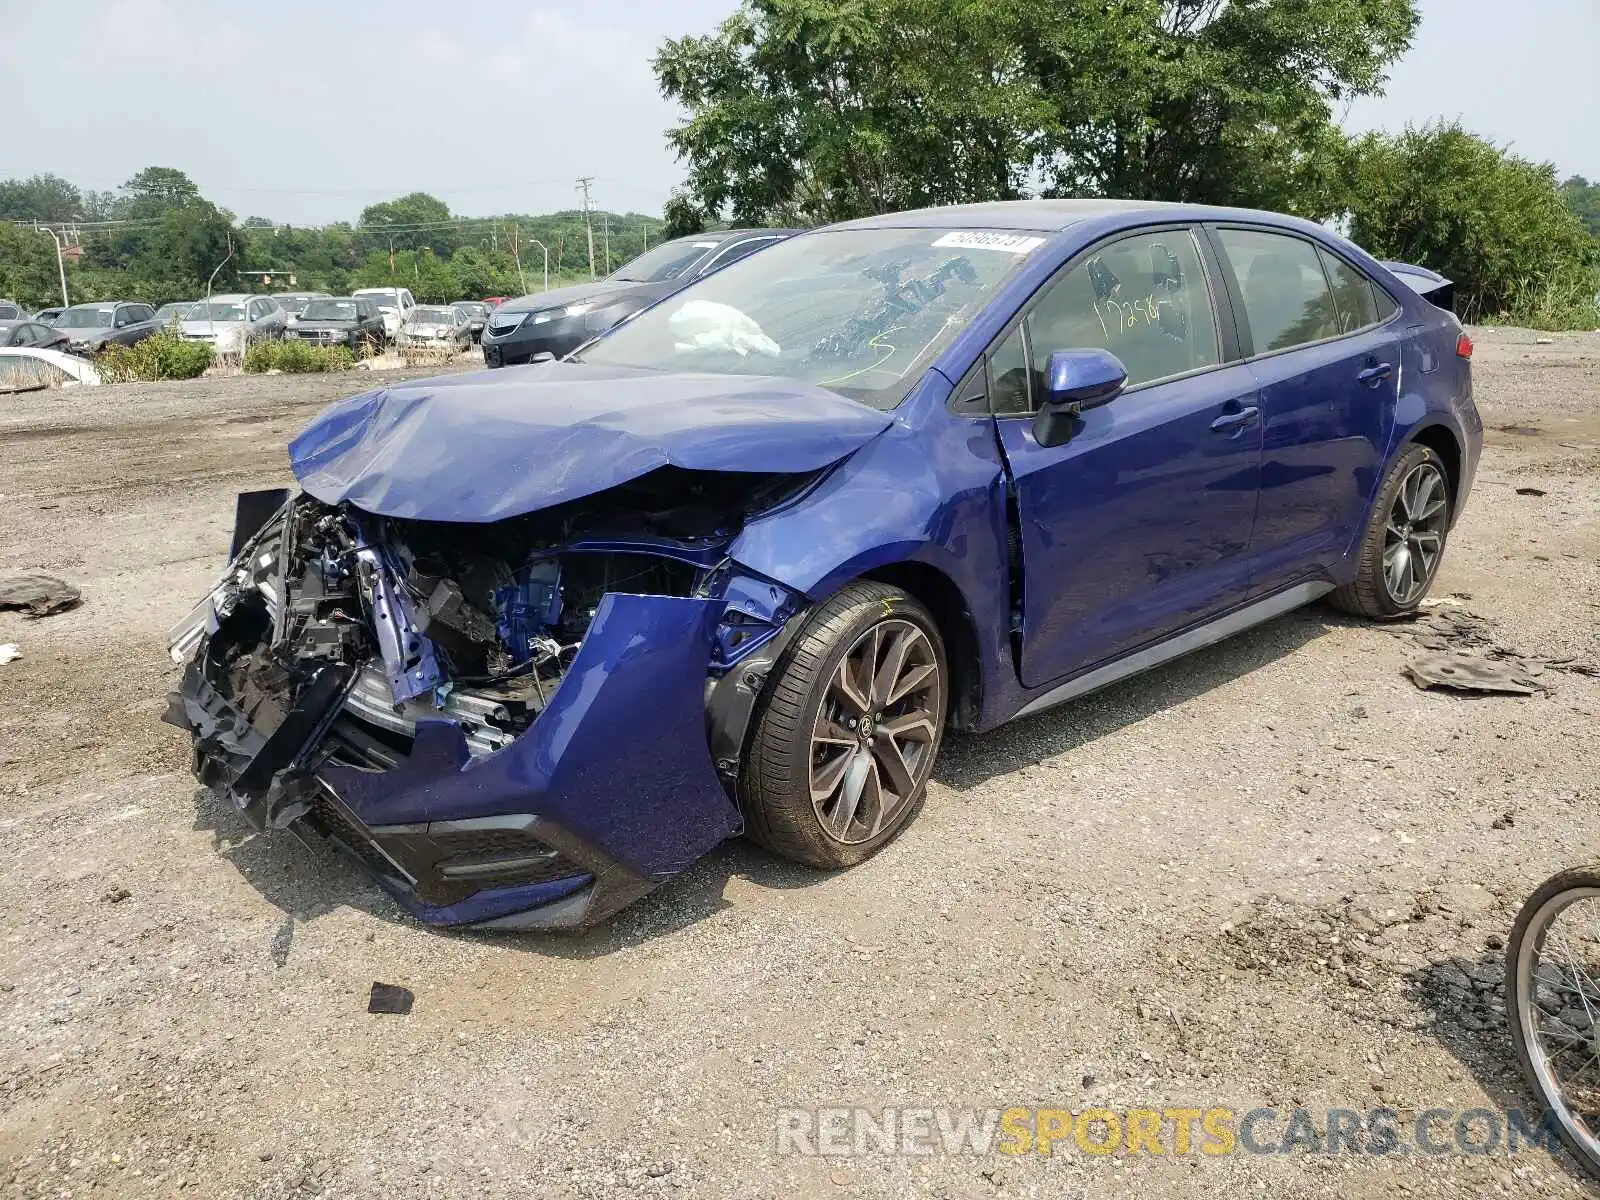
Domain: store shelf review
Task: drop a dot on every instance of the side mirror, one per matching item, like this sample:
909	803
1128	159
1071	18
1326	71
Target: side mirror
1076	381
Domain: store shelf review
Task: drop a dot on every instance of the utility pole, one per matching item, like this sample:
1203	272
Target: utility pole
61	265
605	223
583	185
516	253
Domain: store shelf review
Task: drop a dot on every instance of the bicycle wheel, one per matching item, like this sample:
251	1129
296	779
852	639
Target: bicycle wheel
1553	1004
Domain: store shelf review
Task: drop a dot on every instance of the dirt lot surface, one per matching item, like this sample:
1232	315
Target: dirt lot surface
1273	874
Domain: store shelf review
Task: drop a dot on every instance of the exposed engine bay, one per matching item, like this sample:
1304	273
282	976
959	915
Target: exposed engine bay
337	636
473	623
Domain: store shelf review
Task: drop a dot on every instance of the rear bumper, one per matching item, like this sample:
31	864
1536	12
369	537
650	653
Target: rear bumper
608	792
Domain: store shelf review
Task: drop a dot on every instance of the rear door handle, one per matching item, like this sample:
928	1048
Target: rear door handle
1375	375
1228	422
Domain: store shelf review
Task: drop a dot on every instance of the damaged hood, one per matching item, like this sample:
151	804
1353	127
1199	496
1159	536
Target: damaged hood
490	445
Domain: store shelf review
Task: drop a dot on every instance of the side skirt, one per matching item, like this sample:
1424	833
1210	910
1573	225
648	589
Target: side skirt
1196	638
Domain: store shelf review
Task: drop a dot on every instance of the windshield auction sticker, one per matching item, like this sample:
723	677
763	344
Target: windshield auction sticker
1009	243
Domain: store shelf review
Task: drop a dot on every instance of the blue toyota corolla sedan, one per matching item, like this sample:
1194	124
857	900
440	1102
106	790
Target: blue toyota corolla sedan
528	642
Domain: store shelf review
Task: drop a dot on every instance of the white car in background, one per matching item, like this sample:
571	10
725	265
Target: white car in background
438	326
394	303
230	323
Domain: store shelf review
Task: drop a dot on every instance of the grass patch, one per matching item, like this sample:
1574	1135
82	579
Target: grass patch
296	358
164	355
1565	302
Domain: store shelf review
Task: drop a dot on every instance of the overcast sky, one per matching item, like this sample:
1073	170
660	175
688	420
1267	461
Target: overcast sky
305	112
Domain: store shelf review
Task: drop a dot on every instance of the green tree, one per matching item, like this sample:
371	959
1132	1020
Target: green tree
405	214
155	190
28	272
1491	221
683	217
1583	198
41	198
811	110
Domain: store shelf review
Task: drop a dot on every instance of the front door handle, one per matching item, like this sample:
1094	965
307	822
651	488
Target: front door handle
1376	374
1228	422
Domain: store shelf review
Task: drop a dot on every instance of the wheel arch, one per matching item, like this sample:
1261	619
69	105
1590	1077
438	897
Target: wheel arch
1442	440
940	594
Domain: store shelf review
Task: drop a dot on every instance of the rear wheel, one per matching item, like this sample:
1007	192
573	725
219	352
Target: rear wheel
1404	539
840	755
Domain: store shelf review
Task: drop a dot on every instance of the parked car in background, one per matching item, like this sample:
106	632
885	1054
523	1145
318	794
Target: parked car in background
495	302
477	314
230	323
48	315
295	302
557	322
175	311
10	310
90	328
352	321
436	325
31	333
23	368
394	303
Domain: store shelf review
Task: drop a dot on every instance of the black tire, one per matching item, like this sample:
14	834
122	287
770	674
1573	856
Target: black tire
1369	594
775	782
1524	949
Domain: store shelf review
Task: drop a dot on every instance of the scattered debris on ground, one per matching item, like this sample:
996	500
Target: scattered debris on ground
9	652
390	998
1467	673
37	595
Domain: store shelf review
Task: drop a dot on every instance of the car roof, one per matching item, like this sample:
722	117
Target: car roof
1052	216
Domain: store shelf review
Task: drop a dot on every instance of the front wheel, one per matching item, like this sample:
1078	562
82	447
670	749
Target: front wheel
1553	1005
841	753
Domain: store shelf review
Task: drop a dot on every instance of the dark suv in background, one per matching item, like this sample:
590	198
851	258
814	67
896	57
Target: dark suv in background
90	328
352	321
557	322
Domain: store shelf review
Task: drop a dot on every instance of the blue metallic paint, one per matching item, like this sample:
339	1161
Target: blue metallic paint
1140	524
640	669
1087	378
495	444
932	491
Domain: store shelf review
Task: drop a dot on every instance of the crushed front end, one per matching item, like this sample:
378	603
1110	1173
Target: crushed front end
522	724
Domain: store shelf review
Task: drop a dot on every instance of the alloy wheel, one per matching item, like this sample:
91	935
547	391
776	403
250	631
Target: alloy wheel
1414	535
877	727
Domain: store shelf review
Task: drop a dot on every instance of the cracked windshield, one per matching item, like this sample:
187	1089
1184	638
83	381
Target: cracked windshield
854	310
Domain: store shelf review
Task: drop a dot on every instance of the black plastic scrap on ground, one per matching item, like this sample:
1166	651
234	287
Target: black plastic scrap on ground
38	595
390	998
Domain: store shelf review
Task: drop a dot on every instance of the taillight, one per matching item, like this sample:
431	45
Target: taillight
1463	346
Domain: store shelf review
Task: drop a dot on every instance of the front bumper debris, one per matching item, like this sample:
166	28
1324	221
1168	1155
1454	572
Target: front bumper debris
356	737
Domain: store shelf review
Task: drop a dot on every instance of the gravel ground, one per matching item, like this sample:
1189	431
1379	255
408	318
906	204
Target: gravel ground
1273	874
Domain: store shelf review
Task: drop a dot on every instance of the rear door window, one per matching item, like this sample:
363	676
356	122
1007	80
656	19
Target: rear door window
1144	298
1287	301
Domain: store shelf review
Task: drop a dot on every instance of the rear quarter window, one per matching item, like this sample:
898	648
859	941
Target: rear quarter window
1353	301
